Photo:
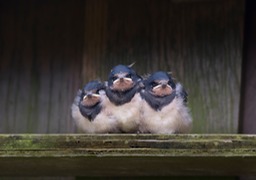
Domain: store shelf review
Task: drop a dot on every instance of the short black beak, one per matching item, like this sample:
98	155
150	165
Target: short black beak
164	86
121	79
89	95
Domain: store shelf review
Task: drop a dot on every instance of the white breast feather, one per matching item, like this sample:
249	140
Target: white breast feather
101	124
173	118
126	116
135	116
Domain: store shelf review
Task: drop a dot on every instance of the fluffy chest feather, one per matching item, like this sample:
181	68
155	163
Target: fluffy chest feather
100	124
173	118
126	115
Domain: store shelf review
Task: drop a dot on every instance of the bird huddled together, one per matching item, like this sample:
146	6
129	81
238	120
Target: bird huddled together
128	103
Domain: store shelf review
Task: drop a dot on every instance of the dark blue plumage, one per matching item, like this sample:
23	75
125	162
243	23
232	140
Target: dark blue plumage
158	101
164	109
93	107
122	84
89	112
124	100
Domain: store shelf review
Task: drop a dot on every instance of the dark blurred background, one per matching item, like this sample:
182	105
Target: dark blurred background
51	48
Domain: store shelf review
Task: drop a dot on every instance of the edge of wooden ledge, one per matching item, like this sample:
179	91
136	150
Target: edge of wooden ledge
127	154
120	145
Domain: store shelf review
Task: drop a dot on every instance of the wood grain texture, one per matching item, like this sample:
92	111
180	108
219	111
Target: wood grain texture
199	41
40	64
50	49
127	155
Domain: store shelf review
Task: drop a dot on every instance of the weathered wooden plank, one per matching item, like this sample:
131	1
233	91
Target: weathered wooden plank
127	155
41	50
49	49
199	41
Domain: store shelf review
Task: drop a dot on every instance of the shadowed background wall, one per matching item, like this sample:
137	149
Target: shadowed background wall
49	49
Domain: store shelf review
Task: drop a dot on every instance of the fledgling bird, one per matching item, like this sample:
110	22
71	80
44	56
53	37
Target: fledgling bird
123	100
88	111
164	109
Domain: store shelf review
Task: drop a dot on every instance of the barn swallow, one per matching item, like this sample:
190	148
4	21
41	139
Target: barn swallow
164	109
123	100
88	111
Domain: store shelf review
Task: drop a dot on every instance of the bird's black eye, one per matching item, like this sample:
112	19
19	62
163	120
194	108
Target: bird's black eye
170	83
83	94
128	76
153	84
114	78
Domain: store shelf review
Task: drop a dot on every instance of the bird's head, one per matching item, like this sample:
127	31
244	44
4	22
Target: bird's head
91	94
122	78
159	84
159	90
122	84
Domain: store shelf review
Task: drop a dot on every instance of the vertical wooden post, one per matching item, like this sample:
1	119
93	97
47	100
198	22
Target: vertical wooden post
248	91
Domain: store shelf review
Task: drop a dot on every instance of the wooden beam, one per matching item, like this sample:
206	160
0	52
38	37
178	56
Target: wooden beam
50	49
127	155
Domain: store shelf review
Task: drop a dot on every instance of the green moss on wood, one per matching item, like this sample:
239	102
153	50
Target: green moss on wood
128	145
121	154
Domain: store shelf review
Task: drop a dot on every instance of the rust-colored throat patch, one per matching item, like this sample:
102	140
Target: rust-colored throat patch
90	100
162	90
122	84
